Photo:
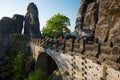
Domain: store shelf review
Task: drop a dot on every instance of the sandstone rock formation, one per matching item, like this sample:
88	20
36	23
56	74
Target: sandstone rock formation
18	21
11	25
87	17
15	25
6	27
31	27
108	23
100	19
99	22
4	46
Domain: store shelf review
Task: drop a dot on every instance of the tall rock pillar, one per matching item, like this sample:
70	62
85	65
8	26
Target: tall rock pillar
31	26
18	20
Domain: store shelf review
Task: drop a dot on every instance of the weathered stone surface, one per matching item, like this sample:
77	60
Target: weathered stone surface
15	25
108	23
87	17
31	27
77	67
18	20
56	75
7	26
4	45
100	19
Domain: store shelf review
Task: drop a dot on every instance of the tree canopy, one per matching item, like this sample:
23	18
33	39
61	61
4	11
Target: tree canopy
56	25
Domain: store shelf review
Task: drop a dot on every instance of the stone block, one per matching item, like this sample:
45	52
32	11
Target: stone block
68	45
112	74
91	50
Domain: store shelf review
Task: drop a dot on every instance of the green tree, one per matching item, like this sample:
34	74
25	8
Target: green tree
56	25
38	75
21	54
15	68
19	67
19	43
17	58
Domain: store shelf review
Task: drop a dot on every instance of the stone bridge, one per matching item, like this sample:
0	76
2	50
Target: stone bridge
77	60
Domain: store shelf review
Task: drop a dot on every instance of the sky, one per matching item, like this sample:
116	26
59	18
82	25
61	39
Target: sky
46	8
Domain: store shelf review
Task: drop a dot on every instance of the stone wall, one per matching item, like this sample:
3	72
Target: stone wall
103	52
75	65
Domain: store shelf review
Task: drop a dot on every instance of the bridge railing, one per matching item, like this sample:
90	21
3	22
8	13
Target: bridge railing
67	45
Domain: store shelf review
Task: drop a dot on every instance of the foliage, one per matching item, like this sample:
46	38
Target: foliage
15	66
14	69
21	49
56	25
32	22
6	70
38	75
19	67
19	43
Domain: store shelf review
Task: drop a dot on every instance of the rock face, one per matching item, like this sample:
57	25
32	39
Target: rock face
100	19
8	26
87	17
31	27
4	46
108	27
15	25
18	20
11	25
99	22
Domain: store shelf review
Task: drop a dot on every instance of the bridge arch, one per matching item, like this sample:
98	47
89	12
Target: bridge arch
47	63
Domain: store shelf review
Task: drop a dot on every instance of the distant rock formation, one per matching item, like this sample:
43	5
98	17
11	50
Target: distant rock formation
31	27
15	25
11	25
18	20
8	26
